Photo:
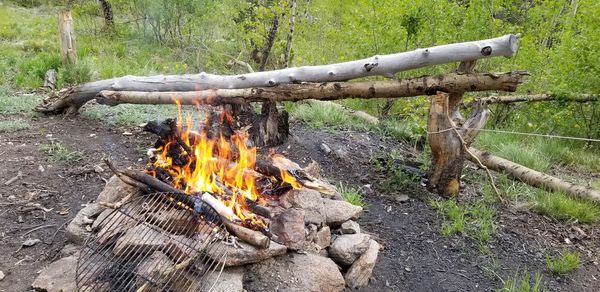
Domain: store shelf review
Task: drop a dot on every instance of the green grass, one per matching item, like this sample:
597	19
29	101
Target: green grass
475	220
540	153
521	281
395	179
596	185
58	152
10	105
13	126
132	115
565	208
324	116
563	264
352	195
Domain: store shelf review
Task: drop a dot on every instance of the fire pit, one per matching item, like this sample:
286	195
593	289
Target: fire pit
205	204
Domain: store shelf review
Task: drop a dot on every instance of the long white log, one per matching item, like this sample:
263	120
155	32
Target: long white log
70	100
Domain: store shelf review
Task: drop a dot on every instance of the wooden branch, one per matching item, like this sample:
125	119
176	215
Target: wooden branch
70	100
533	177
250	236
427	85
535	98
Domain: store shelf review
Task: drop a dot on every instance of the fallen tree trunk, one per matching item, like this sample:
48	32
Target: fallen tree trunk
427	85
70	100
536	97
533	177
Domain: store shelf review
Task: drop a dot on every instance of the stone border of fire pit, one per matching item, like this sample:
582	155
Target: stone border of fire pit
322	248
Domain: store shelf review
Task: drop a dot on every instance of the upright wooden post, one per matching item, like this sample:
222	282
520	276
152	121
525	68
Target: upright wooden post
68	53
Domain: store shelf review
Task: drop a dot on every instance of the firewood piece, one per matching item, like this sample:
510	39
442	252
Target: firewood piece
427	85
278	166
70	100
250	236
533	177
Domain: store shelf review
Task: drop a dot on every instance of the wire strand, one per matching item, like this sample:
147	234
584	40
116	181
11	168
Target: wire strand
523	134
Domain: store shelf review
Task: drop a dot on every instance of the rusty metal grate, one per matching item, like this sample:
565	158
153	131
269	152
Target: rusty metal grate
154	243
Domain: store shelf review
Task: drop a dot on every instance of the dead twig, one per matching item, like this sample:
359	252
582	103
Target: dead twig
14	179
38	228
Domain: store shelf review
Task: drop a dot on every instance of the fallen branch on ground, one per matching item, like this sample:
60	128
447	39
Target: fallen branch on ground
533	177
534	98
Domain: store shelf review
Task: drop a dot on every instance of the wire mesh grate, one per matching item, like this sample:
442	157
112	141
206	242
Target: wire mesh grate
153	243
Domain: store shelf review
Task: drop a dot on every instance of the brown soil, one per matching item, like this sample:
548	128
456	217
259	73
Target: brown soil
415	256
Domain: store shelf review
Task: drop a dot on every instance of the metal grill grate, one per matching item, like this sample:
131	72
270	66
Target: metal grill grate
153	243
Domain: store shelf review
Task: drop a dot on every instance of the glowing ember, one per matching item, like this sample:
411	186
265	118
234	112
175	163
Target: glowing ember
217	165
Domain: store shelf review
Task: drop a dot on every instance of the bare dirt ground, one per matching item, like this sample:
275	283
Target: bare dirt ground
415	256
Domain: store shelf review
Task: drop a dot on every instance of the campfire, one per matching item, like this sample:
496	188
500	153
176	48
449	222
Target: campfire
207	202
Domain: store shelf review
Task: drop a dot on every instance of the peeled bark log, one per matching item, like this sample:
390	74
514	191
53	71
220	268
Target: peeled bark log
533	177
446	142
536	97
427	85
70	100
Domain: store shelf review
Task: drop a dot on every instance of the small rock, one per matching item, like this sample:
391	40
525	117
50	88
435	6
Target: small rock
359	273
401	198
350	227
323	238
11	197
325	148
98	169
348	247
338	212
313	169
58	276
1	275
41	168
115	190
341	154
31	242
126	133
76	231
289	227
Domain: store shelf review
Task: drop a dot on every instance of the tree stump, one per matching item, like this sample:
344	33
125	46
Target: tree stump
449	142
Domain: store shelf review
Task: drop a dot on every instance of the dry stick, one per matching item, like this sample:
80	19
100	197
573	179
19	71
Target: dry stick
38	228
14	179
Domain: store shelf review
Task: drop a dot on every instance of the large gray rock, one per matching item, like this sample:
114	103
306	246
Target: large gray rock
308	200
78	230
229	280
345	249
338	212
59	276
139	239
359	273
295	272
289	228
246	255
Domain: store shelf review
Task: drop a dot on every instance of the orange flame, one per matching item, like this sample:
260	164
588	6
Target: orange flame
219	166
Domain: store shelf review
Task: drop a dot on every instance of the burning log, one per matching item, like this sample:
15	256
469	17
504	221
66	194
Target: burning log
427	85
71	99
250	236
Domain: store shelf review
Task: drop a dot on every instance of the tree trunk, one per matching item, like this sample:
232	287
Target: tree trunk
533	177
446	142
290	38
427	85
266	51
108	14
68	52
69	100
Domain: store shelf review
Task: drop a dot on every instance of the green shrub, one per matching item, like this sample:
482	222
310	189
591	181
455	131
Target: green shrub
74	74
33	70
